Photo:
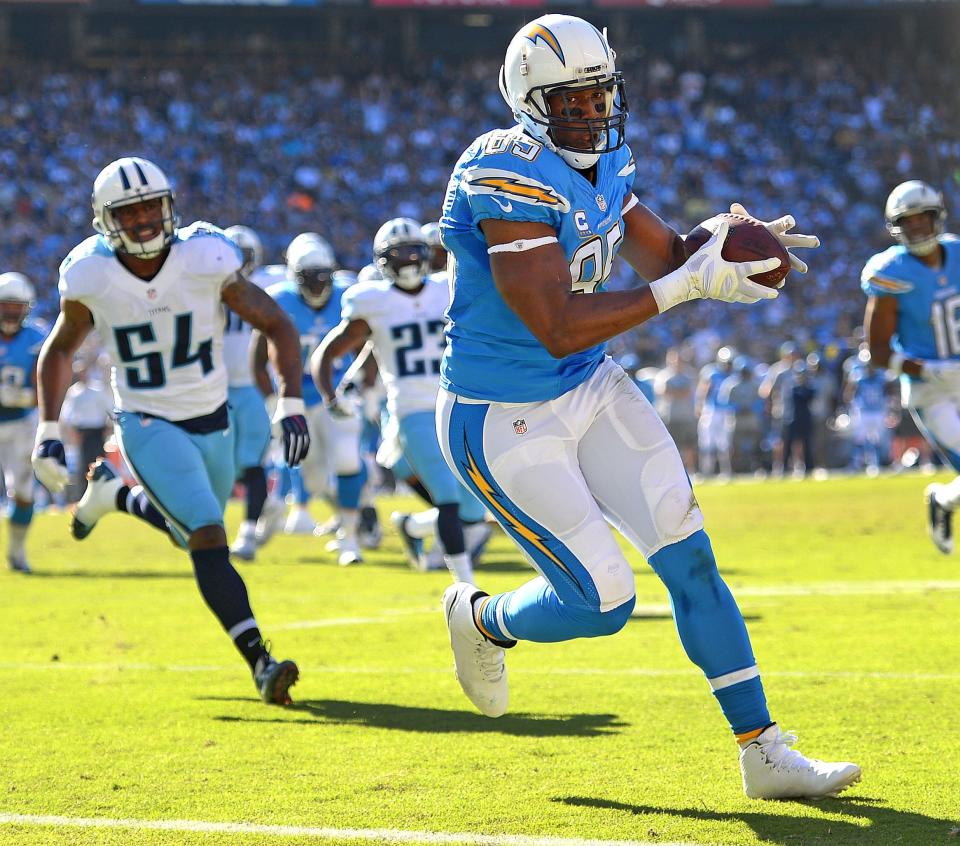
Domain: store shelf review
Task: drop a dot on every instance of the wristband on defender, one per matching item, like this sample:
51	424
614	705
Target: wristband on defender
288	407
895	363
48	430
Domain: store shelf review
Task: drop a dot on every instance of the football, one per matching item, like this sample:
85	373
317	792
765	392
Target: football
747	240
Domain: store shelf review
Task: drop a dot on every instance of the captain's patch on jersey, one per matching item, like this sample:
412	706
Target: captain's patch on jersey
513	187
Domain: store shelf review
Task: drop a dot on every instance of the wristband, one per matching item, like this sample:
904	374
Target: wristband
674	288
288	407
895	363
48	430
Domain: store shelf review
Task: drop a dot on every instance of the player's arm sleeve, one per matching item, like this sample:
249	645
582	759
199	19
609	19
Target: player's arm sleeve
525	196
880	279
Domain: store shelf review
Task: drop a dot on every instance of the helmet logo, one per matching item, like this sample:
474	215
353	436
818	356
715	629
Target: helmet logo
539	32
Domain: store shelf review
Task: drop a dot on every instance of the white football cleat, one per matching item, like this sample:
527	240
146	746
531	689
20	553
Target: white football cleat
348	551
299	522
18	563
412	547
939	520
772	770
244	548
475	537
479	663
98	499
271	520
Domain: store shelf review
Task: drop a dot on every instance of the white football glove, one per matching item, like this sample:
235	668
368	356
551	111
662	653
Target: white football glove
779	228
708	275
49	460
942	374
340	409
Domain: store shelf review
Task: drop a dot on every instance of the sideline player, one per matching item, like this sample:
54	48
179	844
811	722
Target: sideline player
155	292
20	340
549	432
912	326
402	314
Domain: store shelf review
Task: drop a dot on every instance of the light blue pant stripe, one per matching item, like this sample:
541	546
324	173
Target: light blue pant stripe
251	425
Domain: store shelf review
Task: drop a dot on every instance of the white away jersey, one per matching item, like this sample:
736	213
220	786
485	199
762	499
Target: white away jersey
165	335
408	338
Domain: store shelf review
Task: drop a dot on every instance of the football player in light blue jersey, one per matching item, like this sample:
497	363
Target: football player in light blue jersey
20	340
545	429
912	322
155	291
712	437
866	396
311	297
248	413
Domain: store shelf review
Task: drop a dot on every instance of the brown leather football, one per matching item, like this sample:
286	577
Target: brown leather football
747	240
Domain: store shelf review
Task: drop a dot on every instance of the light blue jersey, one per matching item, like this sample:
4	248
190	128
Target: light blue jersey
928	301
505	174
312	326
18	360
869	390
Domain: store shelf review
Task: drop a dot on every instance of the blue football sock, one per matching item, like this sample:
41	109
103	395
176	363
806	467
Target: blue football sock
712	630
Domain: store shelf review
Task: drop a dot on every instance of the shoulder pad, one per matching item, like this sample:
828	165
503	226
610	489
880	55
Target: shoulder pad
626	164
212	252
81	272
884	274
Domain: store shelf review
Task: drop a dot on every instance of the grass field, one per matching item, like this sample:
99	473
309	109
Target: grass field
123	701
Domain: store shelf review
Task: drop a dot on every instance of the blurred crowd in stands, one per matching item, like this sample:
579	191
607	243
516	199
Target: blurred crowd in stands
284	147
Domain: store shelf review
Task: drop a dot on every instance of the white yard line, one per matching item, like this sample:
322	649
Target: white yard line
852	675
376	835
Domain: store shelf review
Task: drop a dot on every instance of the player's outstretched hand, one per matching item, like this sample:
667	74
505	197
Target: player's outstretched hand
48	459
290	425
339	410
715	278
780	228
944	374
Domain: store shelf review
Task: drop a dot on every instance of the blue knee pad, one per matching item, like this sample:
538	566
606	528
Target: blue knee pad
20	515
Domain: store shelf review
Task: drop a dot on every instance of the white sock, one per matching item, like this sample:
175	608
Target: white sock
248	528
948	495
460	566
421	524
349	517
18	536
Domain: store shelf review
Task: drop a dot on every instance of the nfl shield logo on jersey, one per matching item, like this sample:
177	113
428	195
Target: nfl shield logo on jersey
601	202
520	426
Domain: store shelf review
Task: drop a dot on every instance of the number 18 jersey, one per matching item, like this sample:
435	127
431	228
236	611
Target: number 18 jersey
928	300
164	335
506	174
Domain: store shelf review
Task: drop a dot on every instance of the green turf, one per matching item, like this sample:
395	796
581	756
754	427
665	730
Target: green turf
121	698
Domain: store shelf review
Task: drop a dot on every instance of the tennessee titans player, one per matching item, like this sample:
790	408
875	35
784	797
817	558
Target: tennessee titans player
912	321
155	292
552	435
334	469
20	340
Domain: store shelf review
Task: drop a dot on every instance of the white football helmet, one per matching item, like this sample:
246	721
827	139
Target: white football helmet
311	264
438	253
401	253
122	183
560	52
17	299
250	245
915	197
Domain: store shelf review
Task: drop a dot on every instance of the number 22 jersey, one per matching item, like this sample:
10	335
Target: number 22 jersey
506	174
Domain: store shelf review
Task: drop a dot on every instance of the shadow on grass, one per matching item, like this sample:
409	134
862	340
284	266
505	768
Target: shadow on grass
883	825
112	574
433	720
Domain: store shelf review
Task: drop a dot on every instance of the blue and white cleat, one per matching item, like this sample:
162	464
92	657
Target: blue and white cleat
274	679
939	520
772	770
412	547
98	499
18	564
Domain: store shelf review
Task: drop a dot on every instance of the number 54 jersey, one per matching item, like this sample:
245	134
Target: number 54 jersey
407	331
165	335
928	306
505	174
